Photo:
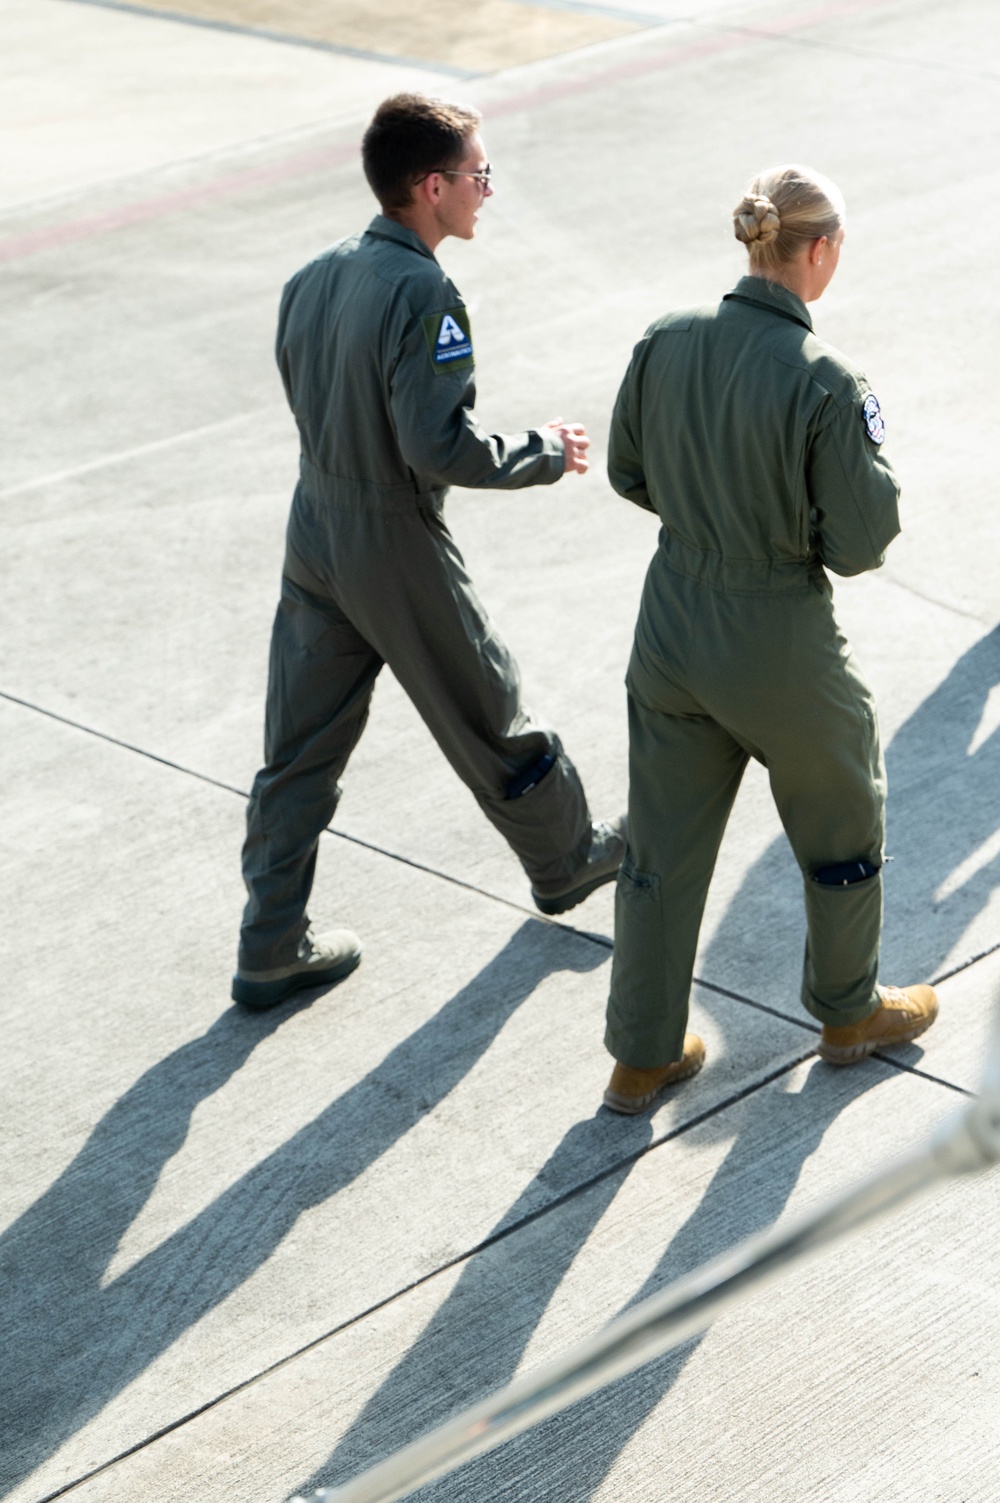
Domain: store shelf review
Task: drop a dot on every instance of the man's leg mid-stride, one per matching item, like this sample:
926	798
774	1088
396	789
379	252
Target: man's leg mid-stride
320	682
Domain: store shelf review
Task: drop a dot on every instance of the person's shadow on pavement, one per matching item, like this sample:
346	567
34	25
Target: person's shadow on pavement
943	814
72	1341
480	1331
944	782
474	1341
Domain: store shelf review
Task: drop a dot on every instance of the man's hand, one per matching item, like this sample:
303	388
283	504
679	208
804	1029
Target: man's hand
575	443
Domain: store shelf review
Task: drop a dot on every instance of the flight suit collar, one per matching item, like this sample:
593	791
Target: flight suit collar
389	229
772	296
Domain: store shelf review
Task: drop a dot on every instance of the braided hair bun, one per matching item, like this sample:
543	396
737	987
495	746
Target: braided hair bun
782	209
756	221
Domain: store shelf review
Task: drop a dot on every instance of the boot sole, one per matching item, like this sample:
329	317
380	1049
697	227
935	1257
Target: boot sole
258	996
551	906
633	1106
851	1054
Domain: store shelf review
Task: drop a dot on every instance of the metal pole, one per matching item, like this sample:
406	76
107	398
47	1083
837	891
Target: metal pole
967	1142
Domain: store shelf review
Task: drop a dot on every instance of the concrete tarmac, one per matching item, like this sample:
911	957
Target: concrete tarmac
245	1256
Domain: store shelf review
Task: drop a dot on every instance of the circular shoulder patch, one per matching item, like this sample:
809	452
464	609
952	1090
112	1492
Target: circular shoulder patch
874	421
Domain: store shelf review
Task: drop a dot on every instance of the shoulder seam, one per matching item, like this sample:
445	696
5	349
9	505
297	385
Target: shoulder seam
419	277
841	399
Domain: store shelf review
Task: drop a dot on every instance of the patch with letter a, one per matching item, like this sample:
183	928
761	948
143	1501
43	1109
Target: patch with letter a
449	339
874	421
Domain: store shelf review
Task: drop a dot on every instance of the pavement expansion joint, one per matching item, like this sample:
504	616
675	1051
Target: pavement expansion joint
788	1128
139	751
156	445
886	576
368	845
204	777
505	1231
964	965
500	1235
774	1012
603	941
898	1064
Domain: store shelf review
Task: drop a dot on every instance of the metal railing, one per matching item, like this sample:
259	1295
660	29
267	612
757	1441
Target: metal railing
966	1142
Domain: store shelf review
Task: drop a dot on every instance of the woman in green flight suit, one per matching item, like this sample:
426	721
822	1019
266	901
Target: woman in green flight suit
760	447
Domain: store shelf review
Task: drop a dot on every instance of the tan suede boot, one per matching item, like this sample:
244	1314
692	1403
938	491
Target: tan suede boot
323	959
905	1013
632	1091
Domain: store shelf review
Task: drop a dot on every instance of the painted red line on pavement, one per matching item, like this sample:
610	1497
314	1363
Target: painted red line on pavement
726	41
172	203
659	62
51	236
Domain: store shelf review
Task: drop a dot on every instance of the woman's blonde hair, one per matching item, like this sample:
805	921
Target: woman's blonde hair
782	209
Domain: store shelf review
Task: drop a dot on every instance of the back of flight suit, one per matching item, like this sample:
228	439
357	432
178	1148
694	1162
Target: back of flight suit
375	352
759	448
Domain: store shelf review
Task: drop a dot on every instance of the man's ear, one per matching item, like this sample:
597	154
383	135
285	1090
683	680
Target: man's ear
428	190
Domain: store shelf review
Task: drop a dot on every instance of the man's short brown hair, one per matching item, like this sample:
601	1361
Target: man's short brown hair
411	135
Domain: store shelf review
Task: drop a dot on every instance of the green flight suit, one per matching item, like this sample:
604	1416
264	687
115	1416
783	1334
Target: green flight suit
375	353
759	447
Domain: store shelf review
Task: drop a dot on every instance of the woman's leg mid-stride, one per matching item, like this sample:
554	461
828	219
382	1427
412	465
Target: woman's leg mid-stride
828	780
829	784
684	771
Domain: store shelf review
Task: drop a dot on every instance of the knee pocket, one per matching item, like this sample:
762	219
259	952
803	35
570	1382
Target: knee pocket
845	873
639	888
638	969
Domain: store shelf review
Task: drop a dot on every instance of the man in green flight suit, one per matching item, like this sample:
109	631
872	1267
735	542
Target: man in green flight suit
375	351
